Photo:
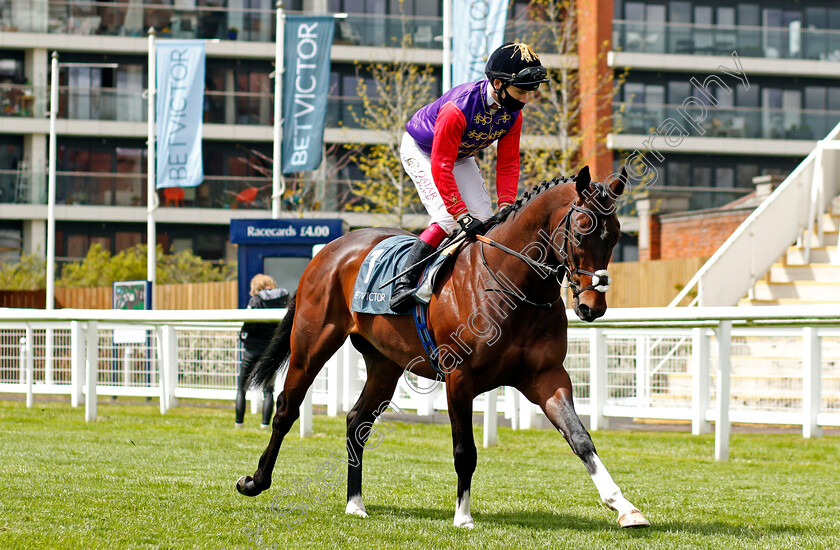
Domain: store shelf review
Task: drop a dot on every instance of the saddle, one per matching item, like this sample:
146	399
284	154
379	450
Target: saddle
385	261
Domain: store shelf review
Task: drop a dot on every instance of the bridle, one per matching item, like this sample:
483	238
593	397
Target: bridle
568	268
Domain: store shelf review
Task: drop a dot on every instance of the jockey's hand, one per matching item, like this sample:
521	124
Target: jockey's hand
470	225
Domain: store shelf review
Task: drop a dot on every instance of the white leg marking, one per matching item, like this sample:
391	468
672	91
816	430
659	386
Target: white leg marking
462	512
609	491
355	507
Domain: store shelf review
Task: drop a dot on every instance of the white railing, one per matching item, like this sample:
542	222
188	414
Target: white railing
773	365
796	205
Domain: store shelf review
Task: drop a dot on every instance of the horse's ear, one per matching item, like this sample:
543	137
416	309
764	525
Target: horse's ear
582	180
617	185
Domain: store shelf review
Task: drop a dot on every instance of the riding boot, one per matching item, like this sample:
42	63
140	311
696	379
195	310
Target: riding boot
402	297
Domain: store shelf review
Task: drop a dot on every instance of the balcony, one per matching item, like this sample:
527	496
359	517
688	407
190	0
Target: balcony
792	42
729	122
233	193
133	18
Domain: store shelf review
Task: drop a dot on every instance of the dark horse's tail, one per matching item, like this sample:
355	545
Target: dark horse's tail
276	355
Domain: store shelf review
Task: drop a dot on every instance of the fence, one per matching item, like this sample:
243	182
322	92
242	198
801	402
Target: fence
222	295
773	365
634	284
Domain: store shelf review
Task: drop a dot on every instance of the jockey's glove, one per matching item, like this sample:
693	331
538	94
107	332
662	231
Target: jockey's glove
470	225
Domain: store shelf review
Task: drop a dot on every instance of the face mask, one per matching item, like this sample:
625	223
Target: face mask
508	102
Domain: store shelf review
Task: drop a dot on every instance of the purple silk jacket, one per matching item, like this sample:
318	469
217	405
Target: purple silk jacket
484	126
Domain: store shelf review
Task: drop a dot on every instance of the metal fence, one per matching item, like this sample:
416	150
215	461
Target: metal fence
781	365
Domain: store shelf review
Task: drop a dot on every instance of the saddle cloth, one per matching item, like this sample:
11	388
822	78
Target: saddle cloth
384	262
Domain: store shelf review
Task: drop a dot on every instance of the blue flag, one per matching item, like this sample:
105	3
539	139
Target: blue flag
306	84
483	25
180	108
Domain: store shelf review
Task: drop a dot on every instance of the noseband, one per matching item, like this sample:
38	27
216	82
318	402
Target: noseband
567	268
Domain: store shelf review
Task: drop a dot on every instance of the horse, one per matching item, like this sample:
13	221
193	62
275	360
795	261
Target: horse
496	315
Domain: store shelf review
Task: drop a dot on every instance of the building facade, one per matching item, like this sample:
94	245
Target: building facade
790	56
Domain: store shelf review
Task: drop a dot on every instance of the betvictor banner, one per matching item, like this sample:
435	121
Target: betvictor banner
481	29
180	108
306	83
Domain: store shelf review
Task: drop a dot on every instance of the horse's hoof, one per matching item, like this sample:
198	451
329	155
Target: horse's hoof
633	518
355	507
245	485
465	522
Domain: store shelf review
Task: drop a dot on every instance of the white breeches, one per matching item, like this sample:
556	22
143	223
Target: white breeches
418	165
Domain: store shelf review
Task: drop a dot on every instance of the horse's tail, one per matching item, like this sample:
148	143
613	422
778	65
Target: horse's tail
276	355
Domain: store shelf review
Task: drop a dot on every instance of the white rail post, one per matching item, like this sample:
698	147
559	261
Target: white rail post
92	362
128	354
22	360
811	381
699	381
335	375
306	415
170	364
30	366
49	356
597	378
491	419
722	427
642	379
512	406
162	378
77	364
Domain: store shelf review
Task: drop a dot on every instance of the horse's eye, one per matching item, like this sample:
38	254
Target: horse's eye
578	236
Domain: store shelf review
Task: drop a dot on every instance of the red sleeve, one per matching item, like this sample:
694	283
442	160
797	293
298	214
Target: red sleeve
449	127
507	165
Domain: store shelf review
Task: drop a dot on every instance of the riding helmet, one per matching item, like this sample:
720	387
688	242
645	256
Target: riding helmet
516	64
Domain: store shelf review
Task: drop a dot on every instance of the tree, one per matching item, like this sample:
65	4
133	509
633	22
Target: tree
30	273
555	119
389	97
100	268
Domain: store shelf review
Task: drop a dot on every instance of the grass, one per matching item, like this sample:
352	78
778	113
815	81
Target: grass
137	479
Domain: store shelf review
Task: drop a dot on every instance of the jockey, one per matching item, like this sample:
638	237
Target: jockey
440	141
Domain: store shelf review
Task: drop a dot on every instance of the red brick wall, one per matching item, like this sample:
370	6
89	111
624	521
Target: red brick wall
698	234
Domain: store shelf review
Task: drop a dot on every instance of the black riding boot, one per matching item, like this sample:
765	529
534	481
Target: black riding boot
403	296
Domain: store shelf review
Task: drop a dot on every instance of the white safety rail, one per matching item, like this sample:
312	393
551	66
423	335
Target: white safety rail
795	206
777	365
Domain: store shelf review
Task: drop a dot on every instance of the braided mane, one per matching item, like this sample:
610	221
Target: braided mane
531	194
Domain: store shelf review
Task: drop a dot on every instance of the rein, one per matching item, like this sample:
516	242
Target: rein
600	278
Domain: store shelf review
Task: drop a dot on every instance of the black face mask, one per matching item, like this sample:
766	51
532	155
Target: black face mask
508	102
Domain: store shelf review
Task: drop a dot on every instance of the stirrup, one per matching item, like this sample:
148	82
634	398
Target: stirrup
403	301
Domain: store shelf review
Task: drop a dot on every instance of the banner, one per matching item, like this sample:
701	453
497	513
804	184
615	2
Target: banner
483	24
306	83
180	109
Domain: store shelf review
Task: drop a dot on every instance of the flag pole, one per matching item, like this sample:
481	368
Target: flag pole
152	202
446	81
278	183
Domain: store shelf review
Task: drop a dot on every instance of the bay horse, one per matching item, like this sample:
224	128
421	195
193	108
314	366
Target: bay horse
562	227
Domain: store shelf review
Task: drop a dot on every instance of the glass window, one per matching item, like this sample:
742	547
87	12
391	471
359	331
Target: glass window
679	12
833	103
748	15
725	177
678	91
726	17
679	174
702	176
815	97
745	174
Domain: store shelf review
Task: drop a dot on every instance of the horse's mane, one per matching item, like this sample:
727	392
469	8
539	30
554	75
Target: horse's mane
531	194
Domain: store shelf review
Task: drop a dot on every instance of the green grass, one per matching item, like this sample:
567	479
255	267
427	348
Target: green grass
137	479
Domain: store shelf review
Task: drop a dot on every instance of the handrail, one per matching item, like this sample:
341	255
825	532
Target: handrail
792	315
771	228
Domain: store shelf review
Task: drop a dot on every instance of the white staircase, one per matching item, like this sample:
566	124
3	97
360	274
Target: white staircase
799	279
757	260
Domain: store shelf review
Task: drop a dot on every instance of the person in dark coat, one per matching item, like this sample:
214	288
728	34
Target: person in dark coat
255	338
